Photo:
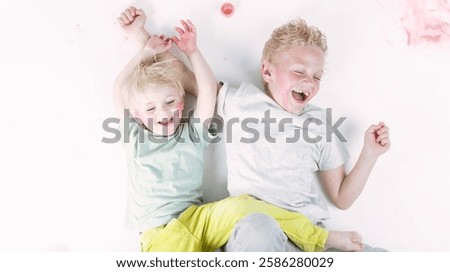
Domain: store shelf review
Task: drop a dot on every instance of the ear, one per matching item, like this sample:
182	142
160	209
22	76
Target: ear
266	71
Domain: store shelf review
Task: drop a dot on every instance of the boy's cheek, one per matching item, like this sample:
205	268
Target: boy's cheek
180	106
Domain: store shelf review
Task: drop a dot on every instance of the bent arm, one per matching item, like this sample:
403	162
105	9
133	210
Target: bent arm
206	82
207	87
343	189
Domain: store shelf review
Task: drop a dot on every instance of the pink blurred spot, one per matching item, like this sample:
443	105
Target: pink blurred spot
227	9
180	106
78	28
424	21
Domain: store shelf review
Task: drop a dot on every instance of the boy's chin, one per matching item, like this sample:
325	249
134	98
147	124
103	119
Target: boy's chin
167	131
295	110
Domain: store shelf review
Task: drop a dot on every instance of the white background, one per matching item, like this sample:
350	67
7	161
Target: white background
62	189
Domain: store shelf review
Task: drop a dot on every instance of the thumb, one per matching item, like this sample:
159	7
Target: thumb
175	40
140	12
373	128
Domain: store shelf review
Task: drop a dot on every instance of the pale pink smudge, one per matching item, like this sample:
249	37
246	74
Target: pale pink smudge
424	21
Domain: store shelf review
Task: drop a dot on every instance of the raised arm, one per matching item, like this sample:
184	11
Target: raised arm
342	189
206	82
132	22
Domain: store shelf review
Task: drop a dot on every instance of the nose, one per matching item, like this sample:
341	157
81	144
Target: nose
307	84
166	113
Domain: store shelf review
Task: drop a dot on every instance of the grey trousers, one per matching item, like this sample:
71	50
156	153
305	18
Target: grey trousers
261	233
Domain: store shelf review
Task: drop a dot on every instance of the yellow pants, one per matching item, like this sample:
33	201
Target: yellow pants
207	227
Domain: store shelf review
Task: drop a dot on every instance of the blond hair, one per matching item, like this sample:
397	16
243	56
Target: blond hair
295	33
166	71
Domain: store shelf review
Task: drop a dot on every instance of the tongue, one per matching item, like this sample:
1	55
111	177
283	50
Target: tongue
297	96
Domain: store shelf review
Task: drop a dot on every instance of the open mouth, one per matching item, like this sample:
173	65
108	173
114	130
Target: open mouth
300	95
166	122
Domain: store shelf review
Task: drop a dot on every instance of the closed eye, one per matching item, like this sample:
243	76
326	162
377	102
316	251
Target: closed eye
151	109
170	102
317	78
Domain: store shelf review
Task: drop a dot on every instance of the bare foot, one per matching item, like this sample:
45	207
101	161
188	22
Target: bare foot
344	240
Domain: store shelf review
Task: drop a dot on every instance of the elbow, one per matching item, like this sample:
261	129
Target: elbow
342	205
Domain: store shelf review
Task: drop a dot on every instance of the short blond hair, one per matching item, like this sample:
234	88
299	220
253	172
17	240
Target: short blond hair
166	70
295	33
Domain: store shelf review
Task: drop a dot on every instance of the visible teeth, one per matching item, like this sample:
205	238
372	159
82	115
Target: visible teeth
300	92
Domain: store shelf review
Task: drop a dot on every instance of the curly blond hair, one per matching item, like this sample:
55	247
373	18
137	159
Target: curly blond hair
166	70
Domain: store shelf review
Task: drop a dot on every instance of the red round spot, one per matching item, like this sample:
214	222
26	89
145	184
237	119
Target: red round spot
227	9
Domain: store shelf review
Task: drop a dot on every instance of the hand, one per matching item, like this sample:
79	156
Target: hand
187	42
376	140
158	44
132	22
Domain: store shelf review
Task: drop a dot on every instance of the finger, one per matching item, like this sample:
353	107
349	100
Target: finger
373	128
161	36
191	26
385	142
179	30
133	11
186	27
360	247
128	14
382	130
381	123
125	18
168	44
175	40
382	136
120	21
140	12
356	238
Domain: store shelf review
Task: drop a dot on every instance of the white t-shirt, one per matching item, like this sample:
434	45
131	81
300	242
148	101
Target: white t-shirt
273	154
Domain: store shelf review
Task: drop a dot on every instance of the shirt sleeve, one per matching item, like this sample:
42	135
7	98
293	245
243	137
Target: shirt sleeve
333	155
129	131
224	98
199	134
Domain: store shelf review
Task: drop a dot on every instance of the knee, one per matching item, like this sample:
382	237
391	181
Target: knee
259	223
257	232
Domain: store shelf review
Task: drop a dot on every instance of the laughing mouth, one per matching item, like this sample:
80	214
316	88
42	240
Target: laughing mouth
166	122
300	95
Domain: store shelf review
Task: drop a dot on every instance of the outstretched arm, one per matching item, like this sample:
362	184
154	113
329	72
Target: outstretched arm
344	189
206	82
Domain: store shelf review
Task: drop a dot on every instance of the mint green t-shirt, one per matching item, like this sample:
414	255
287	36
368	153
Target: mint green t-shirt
164	173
